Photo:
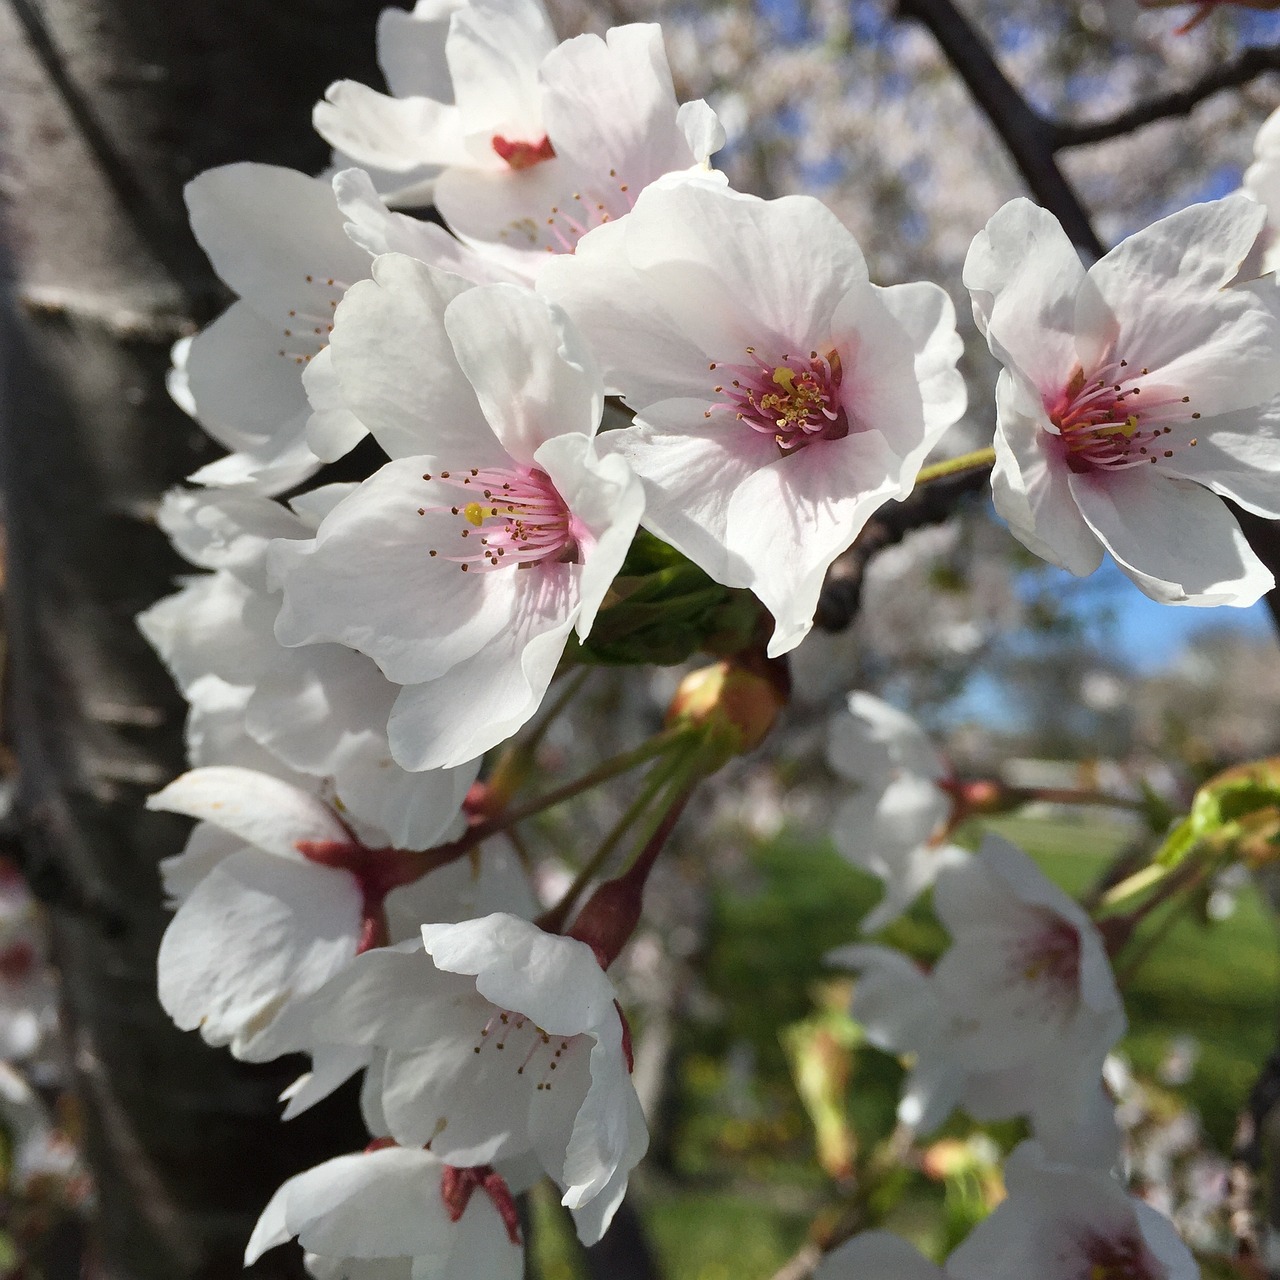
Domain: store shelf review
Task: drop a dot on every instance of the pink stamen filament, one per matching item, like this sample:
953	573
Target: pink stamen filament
1108	422
514	1024
531	522
568	223
796	401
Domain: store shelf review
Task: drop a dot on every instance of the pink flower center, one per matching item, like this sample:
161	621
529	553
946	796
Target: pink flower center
796	401
1110	421
523	155
1049	956
1124	1258
310	322
515	517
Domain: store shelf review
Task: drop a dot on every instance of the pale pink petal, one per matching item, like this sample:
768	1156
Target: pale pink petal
1030	485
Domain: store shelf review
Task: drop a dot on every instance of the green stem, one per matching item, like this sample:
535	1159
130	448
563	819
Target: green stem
659	779
953	466
508	818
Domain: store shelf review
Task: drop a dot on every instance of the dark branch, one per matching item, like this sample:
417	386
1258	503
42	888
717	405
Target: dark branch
929	504
1248	66
1029	136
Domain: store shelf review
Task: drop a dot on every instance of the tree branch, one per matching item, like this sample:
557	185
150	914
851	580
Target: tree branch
1248	66
1029	137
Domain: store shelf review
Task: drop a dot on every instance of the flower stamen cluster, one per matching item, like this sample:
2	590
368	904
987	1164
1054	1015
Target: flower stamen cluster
795	401
1104	425
533	522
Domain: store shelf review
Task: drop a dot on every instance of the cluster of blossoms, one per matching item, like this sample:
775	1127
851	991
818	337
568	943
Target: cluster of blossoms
352	653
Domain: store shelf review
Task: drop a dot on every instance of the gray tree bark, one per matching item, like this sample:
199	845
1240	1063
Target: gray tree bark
107	107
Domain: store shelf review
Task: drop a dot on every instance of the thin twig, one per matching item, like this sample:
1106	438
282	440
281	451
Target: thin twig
1230	75
1028	136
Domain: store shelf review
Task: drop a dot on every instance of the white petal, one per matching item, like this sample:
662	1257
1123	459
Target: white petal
266	229
488	695
732	270
246	393
226	530
610	105
416	810
1236	455
644	356
411	49
332	429
553	980
320	706
533	374
1176	541
281	929
369	582
1024	275
263	811
494	50
877	1255
792	518
397	368
400	135
1030	485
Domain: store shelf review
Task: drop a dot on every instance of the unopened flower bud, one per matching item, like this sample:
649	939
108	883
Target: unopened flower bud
736	701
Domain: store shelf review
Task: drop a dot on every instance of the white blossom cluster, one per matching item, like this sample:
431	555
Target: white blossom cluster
352	653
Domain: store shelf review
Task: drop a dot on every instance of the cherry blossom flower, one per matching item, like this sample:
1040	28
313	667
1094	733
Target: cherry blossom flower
1015	1019
356	1215
501	1040
411	57
265	920
482	107
1060	1222
543	141
781	397
890	825
614	128
1132	394
463	564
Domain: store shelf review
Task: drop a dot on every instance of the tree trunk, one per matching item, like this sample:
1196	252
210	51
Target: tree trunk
107	108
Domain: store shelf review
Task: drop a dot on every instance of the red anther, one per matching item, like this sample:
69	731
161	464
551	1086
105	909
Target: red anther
458	1185
523	155
380	1144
